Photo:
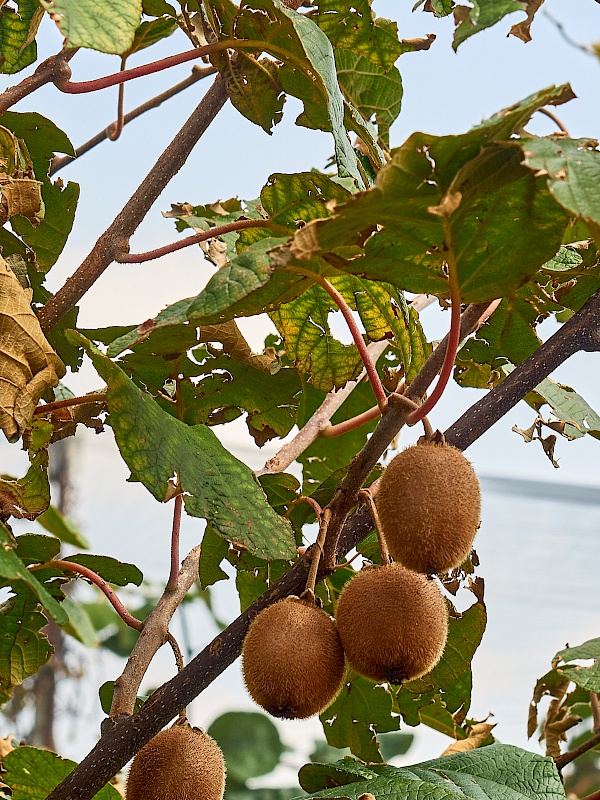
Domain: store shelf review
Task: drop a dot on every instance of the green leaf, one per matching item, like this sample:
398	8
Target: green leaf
495	772
577	416
151	32
484	14
377	94
216	486
351	25
465	632
61	527
359	712
112	571
35	548
586	677
572	167
13	569
281	488
106	27
79	626
250	743
212	552
42	137
29	496
32	774
342	773
23	649
17	34
50	236
105	693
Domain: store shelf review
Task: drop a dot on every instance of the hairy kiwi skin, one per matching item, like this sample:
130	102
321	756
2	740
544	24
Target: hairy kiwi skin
292	659
393	623
179	763
429	504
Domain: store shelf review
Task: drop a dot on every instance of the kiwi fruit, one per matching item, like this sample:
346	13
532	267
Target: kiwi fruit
393	623
292	659
179	763
429	504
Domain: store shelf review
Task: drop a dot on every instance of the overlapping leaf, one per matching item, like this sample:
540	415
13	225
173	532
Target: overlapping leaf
497	772
216	486
107	27
17	35
574	414
20	192
23	649
463	199
482	15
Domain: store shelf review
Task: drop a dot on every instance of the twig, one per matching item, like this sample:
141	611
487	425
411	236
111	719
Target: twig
83	87
122	739
115	240
197	74
311	431
561	29
177	506
384	553
595	712
176	651
154	634
54	68
311	580
115	128
571	755
331	431
95	397
238	225
111	595
358	341
555	119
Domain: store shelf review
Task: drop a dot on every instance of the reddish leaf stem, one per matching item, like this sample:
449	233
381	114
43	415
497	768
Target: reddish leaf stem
331	431
592	796
358	340
118	606
450	357
115	129
96	397
172	582
82	87
138	258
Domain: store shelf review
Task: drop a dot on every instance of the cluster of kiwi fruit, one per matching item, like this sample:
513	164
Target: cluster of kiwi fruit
391	619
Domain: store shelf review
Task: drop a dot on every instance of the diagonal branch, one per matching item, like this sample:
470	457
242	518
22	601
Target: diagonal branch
114	242
121	739
52	69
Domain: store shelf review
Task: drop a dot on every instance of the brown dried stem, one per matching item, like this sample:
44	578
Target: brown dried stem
595	712
173	574
122	739
316	554
94	397
114	242
154	634
384	553
197	74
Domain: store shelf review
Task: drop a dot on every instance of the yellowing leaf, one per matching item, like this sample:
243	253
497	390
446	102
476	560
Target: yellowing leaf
28	365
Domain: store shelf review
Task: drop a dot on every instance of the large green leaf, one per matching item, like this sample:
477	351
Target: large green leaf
359	712
33	773
217	487
151	32
496	772
351	25
482	15
17	35
23	649
42	136
250	743
463	199
374	92
107	27
13	569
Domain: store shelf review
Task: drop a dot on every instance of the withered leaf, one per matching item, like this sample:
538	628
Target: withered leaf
522	29
20	193
477	735
28	365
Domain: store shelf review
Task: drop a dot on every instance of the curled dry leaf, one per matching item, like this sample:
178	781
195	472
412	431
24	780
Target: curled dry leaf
20	193
522	29
478	733
28	365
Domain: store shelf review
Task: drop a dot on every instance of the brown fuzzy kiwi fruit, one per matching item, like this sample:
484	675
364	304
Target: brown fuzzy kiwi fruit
179	763
429	504
292	659
393	623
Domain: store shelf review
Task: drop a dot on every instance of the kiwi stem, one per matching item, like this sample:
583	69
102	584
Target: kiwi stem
358	341
453	339
115	129
92	576
330	431
311	502
396	397
384	553
175	534
311	580
96	397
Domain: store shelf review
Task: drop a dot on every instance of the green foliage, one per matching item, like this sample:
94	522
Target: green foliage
18	28
107	27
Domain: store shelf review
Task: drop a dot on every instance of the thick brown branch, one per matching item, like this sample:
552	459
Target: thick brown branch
154	634
571	755
122	739
115	240
52	69
197	74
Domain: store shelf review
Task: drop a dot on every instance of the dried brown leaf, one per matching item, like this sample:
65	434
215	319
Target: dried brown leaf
522	29
236	346
28	365
477	735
